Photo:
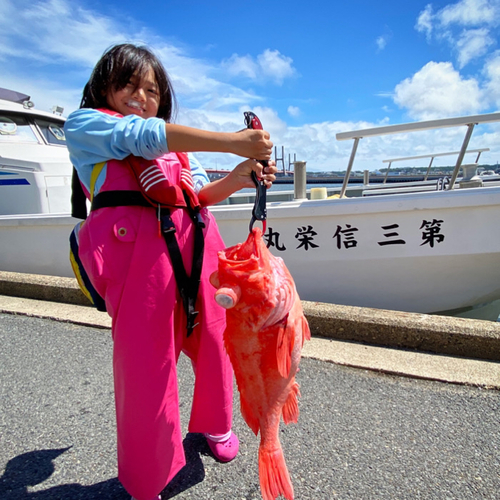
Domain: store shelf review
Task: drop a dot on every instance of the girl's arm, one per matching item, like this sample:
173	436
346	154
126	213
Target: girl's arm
93	137
248	142
237	179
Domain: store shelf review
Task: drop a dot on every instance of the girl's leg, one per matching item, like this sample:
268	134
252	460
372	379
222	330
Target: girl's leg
212	401
213	390
149	436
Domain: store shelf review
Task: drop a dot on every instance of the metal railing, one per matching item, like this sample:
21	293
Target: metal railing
432	156
468	121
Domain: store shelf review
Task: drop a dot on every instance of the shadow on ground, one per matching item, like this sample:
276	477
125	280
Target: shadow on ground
35	467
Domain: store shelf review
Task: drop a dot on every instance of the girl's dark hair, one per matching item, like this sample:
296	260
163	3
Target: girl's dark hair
114	70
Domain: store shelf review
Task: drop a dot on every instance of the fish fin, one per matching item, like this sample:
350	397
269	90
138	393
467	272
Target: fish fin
284	347
248	415
214	279
306	332
273	475
291	406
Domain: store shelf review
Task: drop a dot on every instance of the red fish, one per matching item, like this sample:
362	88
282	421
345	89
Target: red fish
265	332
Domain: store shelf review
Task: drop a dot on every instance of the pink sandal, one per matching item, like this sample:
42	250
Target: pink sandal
224	447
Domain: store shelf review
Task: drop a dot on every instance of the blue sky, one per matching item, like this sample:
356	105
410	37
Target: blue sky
308	69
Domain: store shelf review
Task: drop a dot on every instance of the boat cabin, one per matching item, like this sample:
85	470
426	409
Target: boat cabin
35	170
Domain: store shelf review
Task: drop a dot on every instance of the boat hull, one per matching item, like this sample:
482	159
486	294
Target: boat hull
427	252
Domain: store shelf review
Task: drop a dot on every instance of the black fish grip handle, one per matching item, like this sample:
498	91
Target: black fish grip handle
259	211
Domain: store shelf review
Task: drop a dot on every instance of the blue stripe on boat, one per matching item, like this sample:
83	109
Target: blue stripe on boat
12	182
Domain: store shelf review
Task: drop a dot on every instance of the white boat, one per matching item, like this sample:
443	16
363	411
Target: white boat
428	252
35	171
488	176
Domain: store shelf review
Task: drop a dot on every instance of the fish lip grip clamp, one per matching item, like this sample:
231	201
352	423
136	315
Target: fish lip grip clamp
259	211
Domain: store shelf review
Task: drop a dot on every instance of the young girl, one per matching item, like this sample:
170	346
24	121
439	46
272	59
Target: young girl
125	115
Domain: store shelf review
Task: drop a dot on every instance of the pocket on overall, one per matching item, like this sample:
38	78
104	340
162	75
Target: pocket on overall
81	275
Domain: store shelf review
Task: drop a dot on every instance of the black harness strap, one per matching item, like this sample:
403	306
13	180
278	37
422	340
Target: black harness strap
78	198
188	286
119	199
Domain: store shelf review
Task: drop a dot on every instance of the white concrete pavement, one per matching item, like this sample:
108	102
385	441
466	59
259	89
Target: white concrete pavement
409	363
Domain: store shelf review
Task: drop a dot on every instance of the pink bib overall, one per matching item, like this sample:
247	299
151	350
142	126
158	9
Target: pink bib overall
129	265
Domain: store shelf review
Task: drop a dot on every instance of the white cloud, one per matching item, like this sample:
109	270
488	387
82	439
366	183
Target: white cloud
271	65
466	25
64	32
491	72
381	42
437	91
194	84
473	44
275	66
71	38
424	21
470	13
242	65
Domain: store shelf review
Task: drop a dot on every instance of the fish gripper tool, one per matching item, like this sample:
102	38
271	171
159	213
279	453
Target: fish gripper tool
259	211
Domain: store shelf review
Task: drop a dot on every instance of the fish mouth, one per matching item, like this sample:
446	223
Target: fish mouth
244	254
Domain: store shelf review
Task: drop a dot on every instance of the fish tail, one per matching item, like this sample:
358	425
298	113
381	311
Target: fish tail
273	475
291	407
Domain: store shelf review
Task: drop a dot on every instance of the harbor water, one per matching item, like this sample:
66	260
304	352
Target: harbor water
330	186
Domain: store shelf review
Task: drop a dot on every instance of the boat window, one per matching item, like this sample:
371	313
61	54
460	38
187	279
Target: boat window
7	126
15	129
52	131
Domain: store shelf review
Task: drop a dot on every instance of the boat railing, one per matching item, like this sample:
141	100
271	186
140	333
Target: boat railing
431	156
468	121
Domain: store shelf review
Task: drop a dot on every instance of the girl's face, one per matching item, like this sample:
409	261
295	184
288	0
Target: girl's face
139	97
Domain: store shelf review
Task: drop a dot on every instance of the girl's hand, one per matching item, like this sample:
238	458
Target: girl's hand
252	143
238	178
242	173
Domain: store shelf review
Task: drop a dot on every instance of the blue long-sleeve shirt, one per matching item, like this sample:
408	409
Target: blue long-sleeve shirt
93	137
